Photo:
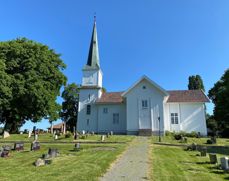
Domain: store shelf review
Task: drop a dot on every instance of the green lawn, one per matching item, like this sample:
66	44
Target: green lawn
202	141
173	163
89	163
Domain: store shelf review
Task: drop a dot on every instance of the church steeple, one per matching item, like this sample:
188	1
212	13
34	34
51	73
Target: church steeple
93	56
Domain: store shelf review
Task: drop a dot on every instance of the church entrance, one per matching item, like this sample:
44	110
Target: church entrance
144	115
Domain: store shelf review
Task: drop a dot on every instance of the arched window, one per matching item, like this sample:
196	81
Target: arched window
88	109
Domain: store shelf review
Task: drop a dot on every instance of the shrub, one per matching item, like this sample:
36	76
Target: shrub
225	133
68	135
178	136
209	142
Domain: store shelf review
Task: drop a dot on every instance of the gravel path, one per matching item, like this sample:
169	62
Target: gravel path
133	164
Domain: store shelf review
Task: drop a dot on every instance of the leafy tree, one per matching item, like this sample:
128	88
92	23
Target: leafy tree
219	95
30	78
69	111
211	123
195	82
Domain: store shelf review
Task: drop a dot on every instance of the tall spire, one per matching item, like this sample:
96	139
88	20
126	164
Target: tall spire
93	56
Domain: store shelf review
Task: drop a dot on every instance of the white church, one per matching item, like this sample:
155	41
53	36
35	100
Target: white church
144	108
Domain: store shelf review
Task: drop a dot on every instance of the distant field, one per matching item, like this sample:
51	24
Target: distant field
89	163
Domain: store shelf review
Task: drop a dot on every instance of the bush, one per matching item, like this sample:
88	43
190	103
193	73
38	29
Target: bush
68	135
225	133
178	136
209	142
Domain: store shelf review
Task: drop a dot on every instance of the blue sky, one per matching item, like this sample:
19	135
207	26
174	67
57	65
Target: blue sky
163	39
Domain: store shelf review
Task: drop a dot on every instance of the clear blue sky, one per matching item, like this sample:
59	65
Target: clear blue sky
163	39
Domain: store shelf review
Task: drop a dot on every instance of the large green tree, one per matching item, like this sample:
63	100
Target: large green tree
30	78
195	82
69	111
219	95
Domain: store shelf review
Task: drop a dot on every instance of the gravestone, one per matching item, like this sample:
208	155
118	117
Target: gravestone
35	146
39	162
213	139
6	134
224	163
53	152
30	133
111	133
4	151
77	146
213	158
21	132
92	132
102	138
19	146
36	136
83	132
203	151
107	135
194	146
56	137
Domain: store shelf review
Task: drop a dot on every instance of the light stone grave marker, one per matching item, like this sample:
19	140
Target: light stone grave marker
224	163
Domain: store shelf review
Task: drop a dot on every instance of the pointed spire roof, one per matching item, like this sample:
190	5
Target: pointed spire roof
93	56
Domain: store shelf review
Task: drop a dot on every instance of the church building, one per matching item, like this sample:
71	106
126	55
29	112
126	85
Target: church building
144	108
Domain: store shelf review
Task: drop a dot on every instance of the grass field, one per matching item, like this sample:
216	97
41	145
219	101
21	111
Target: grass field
173	163
202	141
89	163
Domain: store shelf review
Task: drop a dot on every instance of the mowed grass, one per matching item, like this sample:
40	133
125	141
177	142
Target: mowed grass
173	163
201	141
89	163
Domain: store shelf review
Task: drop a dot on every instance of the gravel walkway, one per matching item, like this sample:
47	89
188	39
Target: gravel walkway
133	164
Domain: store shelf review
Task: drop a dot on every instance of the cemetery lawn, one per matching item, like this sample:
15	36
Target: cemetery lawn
201	141
46	137
89	163
173	163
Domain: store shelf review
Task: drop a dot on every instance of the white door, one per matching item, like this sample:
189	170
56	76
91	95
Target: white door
144	114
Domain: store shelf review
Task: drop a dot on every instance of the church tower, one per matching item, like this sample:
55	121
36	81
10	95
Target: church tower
91	88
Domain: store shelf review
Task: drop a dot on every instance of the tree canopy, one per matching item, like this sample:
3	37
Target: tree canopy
219	95
30	78
195	82
69	111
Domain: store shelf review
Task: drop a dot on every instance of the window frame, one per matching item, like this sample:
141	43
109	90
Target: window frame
174	118
145	104
88	109
115	118
105	110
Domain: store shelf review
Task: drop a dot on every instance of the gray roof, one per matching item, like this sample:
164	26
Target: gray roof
93	56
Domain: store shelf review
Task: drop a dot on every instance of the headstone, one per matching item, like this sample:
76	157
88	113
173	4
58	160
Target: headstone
19	146
4	151
21	132
213	158
56	137
36	136
107	135
6	134
102	138
213	139
111	133
92	132
224	163
77	146
7	147
203	151
39	162
35	146
194	146
83	132
30	133
53	152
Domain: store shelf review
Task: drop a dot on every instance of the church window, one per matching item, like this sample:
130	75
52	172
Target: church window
88	109
116	118
144	104
143	87
105	110
174	118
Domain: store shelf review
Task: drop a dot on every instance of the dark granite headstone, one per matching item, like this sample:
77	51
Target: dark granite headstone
213	158
35	146
19	146
53	152
77	147
203	151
